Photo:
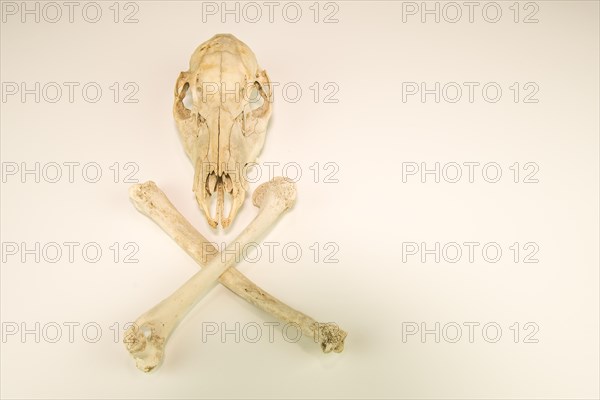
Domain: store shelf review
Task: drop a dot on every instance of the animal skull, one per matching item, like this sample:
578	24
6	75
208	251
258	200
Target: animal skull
223	128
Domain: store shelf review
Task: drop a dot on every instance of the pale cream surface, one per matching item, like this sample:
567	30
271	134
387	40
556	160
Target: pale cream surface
369	217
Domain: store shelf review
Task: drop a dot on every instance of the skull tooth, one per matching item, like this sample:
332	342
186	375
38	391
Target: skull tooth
237	197
212	183
220	202
205	204
228	183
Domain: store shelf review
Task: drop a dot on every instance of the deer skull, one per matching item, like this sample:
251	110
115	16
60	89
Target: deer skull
222	108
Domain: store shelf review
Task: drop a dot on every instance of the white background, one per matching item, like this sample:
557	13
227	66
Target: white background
370	133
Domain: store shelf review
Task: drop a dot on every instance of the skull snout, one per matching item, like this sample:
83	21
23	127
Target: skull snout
224	183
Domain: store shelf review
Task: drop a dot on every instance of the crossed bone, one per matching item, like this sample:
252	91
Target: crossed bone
147	337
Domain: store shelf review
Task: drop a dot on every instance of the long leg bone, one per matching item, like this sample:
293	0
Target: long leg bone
146	339
153	328
152	202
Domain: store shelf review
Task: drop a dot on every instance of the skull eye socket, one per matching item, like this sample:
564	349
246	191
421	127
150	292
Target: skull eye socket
188	99
255	99
183	111
185	104
256	107
258	100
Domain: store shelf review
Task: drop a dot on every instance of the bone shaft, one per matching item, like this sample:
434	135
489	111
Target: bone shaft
198	285
239	284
